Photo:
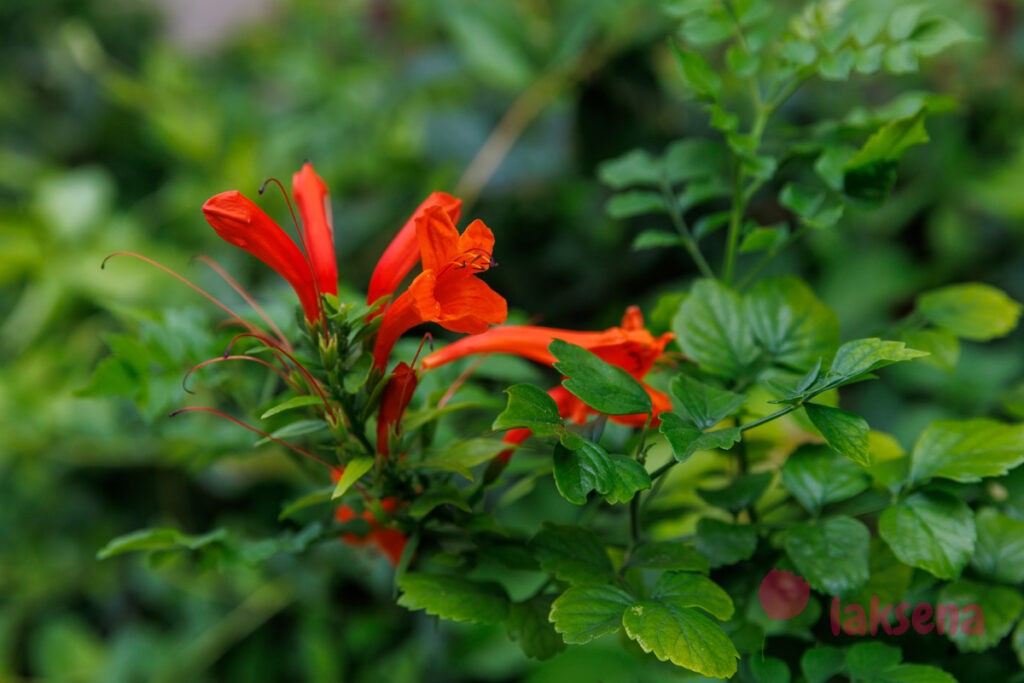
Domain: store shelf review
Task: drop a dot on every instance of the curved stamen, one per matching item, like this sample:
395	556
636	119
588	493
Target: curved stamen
313	383
196	288
219	359
218	413
457	384
233	283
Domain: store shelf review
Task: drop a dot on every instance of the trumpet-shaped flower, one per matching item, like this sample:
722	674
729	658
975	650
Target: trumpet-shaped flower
395	399
447	292
311	274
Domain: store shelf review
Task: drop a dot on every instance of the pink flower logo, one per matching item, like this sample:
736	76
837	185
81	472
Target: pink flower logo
783	595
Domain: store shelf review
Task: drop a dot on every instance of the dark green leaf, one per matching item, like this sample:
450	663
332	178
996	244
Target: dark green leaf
967	450
531	408
586	612
605	388
628	477
711	328
453	597
704	405
791	323
845	432
769	670
972	311
865	660
831	555
425	502
668	555
741	493
572	554
686	439
820	664
147	540
684	636
317	497
983	613
999	553
801	200
635	203
816	477
650	239
685	589
528	625
693	158
932	531
763	238
723	543
462	455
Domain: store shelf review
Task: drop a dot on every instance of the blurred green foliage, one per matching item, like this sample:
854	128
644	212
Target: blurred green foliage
111	137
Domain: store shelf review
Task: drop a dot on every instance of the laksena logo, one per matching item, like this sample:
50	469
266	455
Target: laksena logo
784	595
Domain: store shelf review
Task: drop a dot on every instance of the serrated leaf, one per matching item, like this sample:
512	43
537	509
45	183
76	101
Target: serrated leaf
723	543
831	554
742	492
684	589
856	358
355	469
651	239
972	311
704	405
932	531
291	404
453	597
683	636
668	555
583	613
685	439
572	554
629	477
967	450
844	432
634	168
604	387
635	203
592	468
712	329
999	552
147	540
791	323
530	408
995	610
816	477
529	626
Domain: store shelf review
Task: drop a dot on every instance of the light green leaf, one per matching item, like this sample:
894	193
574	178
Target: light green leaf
816	477
651	239
693	158
854	359
967	450
704	405
723	543
529	626
932	531
634	168
635	203
530	408
462	455
831	555
453	597
572	554
942	345
704	82
890	141
712	329
684	636
586	612
999	553
845	432
769	670
668	555
791	323
353	471
685	589
291	404
995	610
972	311
148	540
800	199
605	388
764	238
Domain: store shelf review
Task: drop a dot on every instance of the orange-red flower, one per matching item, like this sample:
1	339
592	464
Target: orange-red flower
390	542
239	221
630	346
395	399
403	253
447	292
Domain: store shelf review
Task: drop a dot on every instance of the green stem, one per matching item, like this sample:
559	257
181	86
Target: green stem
689	243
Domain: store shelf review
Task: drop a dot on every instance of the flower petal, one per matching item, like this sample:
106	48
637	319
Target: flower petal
467	303
438	238
318	232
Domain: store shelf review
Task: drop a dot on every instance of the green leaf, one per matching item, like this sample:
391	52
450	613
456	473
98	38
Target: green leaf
635	203
704	405
651	239
704	82
831	555
1018	641
816	477
529	626
967	450
668	555
871	173
820	664
628	478
427	501
291	404
764	238
355	469
723	543
932	531
865	660
530	408
856	358
942	345
684	636
317	497
972	311
453	597
936	34
711	328
801	200
586	612
693	158
845	432
685	439
769	670
148	540
572	554
791	323
462	455
592	468
605	388
999	553
742	492
684	589
995	610
634	168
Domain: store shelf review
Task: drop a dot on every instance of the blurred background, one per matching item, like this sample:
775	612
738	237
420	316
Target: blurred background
119	118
